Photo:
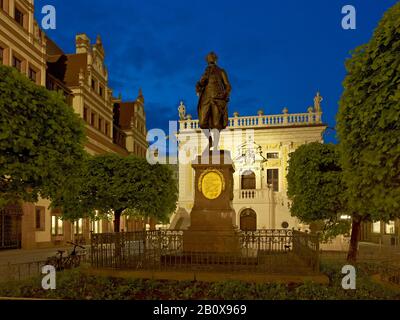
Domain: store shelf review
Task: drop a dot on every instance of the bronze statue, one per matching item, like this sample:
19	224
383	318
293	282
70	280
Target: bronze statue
214	91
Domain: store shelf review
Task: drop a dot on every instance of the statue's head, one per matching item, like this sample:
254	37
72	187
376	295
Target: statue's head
212	58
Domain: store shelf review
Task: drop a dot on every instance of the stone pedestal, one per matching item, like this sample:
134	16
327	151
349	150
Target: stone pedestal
212	219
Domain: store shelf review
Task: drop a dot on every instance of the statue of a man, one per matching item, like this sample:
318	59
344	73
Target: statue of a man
214	91
182	111
317	102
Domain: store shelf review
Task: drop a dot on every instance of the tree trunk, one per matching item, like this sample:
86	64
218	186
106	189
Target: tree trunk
355	234
117	220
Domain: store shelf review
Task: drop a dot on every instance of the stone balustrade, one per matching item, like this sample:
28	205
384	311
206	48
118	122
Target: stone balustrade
262	121
250	194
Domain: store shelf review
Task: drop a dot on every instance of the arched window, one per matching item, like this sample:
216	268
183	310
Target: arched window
248	220
248	180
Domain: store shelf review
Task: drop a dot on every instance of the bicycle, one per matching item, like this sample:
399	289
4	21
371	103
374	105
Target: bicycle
73	260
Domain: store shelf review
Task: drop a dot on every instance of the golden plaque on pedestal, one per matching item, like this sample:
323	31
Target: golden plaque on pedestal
211	184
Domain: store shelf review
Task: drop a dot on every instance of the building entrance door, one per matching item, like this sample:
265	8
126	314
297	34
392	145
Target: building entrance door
10	227
248	220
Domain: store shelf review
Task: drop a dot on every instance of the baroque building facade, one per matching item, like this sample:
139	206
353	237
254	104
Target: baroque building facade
260	147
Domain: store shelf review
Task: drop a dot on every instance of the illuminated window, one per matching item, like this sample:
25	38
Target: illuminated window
57	226
389	227
376	227
78	227
96	226
16	63
273	179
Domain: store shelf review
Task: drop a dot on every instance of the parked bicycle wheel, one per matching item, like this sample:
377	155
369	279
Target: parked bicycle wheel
75	261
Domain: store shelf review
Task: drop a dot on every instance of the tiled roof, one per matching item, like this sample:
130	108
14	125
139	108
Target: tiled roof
126	114
75	62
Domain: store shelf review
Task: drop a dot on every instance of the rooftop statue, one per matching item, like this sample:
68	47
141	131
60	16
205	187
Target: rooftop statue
317	102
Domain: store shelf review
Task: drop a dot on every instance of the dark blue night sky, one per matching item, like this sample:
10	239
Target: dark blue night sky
277	53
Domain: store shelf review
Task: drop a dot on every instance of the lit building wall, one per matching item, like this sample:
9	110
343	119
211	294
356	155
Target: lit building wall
22	43
260	184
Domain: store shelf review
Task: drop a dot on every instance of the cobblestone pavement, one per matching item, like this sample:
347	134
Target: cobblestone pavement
26	256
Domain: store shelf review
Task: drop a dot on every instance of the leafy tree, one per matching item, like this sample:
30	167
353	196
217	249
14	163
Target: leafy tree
316	189
41	139
369	127
112	184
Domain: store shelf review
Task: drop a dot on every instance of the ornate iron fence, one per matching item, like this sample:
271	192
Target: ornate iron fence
20	271
273	251
306	247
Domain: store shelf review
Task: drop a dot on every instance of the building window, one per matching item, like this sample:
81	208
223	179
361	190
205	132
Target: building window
16	63
248	180
273	179
39	218
93	84
376	227
97	226
101	121
1	4
78	227
1	55
107	129
93	119
32	75
85	113
285	225
389	227
19	17
101	91
57	226
273	155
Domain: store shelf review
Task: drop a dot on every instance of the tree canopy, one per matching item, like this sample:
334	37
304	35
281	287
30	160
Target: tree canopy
112	184
369	122
369	127
41	139
315	187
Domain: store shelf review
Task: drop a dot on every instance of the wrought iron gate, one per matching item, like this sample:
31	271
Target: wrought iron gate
10	227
